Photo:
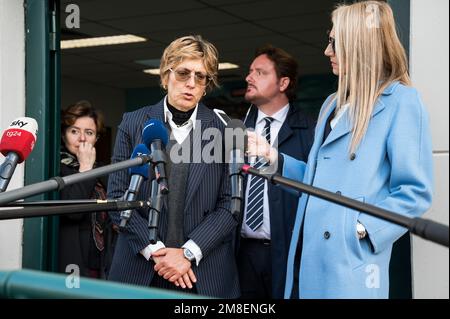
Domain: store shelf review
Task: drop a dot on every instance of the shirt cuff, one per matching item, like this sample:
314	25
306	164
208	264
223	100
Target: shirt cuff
193	247
150	249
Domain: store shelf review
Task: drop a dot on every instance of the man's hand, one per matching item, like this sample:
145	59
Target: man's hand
180	281
156	259
173	266
186	280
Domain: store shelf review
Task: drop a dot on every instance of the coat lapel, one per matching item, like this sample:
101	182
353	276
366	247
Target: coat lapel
294	119
197	167
343	127
318	138
156	112
320	128
250	119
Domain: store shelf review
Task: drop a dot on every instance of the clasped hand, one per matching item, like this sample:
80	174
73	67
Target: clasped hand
171	264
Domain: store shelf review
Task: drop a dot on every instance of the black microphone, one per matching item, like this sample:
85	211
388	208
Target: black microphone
16	144
155	136
138	175
235	145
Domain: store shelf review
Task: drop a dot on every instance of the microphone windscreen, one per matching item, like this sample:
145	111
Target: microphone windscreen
19	137
235	136
154	130
142	170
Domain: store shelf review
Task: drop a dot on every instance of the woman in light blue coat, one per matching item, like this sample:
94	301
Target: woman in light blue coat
372	143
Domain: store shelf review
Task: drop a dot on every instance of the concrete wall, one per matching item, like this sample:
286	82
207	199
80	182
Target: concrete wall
429	58
12	105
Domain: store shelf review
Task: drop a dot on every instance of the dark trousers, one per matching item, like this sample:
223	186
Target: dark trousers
255	268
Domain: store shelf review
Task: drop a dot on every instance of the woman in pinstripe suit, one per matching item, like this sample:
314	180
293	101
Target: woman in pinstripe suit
194	251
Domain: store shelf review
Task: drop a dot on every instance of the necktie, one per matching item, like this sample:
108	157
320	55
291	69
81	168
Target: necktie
255	200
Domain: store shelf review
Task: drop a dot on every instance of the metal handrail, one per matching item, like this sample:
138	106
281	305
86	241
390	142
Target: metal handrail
32	284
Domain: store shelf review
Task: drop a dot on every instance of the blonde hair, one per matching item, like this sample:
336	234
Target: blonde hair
370	58
190	47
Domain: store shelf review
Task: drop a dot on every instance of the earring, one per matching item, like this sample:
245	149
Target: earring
204	93
165	87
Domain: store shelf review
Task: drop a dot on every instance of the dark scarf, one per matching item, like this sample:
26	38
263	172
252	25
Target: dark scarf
179	117
98	219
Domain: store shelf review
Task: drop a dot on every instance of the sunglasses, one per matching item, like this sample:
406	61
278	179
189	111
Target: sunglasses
184	75
332	41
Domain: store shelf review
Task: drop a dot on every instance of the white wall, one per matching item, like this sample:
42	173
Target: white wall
12	105
429	59
110	101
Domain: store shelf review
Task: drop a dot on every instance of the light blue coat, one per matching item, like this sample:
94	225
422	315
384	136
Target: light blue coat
392	169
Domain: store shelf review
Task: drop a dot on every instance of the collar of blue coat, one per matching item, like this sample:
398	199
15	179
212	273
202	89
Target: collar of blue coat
390	88
344	127
379	105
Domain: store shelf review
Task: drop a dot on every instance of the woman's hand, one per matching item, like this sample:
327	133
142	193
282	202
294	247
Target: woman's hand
86	156
258	146
174	267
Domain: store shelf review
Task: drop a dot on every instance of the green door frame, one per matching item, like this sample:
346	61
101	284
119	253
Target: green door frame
42	95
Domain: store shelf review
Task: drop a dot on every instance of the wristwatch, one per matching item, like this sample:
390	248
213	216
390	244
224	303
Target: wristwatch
361	230
188	254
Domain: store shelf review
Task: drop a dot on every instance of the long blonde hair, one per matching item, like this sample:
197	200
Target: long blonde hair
370	58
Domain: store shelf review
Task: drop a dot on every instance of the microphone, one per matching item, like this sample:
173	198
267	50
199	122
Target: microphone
155	137
16	144
235	145
139	174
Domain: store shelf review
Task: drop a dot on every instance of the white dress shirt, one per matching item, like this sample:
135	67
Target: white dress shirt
263	232
338	116
179	133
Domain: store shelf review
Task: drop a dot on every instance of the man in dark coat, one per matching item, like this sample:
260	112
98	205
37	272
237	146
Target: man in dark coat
269	211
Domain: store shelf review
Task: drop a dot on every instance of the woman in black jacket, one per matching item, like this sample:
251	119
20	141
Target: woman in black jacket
85	240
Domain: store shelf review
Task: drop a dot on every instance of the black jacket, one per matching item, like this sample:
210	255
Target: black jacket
76	243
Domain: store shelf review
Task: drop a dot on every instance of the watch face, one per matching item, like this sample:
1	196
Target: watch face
188	254
361	230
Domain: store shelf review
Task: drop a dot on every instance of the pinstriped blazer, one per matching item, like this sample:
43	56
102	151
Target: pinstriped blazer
207	218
